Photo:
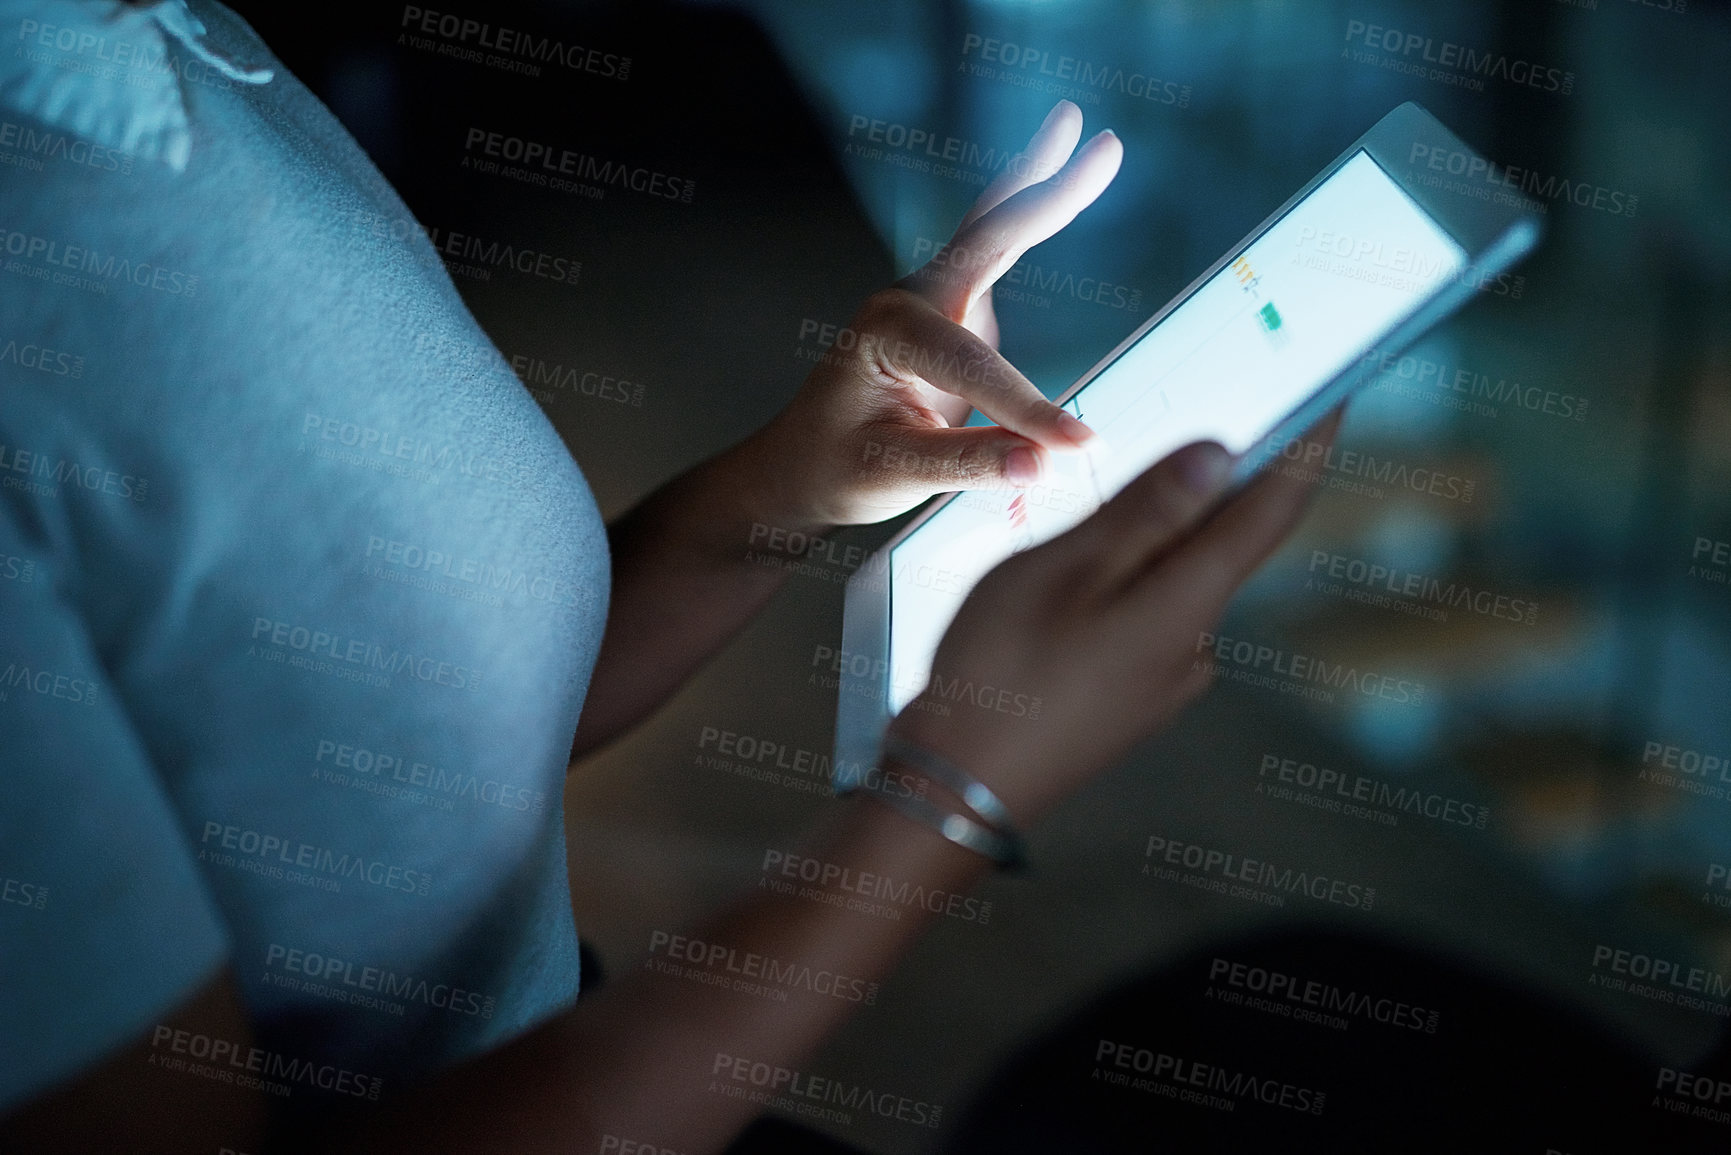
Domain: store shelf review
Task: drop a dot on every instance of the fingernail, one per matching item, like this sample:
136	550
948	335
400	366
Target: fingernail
1203	467
1022	466
1073	428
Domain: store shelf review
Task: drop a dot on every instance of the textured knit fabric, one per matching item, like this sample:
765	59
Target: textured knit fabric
299	590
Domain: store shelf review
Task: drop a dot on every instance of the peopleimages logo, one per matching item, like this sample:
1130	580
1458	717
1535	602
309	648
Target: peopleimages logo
394	775
1057	74
1369	259
1483	180
27	147
1660	980
1420	595
1700	1096
328	976
17	569
836	885
923	150
229	1062
21	893
747	972
42	475
1217	870
1447	62
1288	779
1310	1000
47	683
266	854
545	164
318	644
505	48
782	764
88	268
42	359
1024	281
1710	560
1685	769
1365	473
1468	390
88	54
369	447
1204	1084
541	377
803	1093
466	254
484	575
1267	667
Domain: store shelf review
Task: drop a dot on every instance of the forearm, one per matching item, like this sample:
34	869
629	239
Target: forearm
689	571
638	1061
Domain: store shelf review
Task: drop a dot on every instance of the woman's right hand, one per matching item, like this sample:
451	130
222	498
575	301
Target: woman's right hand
1102	625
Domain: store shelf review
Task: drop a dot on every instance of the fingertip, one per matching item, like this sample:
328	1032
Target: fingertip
1065	118
1074	430
1022	466
1202	467
1093	166
1107	143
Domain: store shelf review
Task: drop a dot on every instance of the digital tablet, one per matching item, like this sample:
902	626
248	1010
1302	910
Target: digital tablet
1379	247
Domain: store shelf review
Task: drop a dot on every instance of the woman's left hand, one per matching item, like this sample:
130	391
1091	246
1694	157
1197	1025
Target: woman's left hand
880	425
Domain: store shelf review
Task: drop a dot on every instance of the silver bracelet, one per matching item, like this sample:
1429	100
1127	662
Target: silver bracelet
976	794
1003	846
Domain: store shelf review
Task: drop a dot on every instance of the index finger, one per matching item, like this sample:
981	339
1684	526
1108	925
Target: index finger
1048	149
965	269
920	344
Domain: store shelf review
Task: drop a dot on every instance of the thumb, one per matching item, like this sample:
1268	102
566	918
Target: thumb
1151	514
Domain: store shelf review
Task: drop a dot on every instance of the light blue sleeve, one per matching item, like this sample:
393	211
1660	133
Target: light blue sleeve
105	923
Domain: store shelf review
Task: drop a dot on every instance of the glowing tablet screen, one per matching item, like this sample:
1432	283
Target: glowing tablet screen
1306	299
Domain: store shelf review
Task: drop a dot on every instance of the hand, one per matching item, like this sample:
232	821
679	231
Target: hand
878	426
1101	625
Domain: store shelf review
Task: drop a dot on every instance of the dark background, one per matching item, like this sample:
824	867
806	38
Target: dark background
1595	520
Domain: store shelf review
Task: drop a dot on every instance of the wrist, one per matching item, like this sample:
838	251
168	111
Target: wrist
943	798
988	750
767	471
902	848
733	510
